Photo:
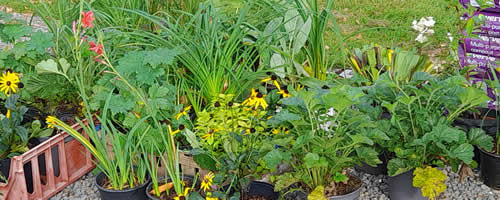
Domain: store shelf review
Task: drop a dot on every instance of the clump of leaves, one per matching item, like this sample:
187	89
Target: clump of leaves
327	137
228	137
14	135
430	180
420	125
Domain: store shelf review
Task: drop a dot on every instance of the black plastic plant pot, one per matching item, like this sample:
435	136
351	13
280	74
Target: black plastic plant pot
490	169
162	181
5	169
266	190
401	187
136	193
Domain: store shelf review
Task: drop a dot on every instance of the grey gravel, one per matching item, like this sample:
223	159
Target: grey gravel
34	21
82	189
376	187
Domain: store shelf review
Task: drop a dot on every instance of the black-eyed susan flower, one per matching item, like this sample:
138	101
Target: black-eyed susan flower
210	136
273	78
8	113
299	87
183	195
207	182
284	93
249	130
51	121
181	127
276	131
253	94
9	82
183	112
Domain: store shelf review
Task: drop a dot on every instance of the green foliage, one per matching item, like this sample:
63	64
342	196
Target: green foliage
230	137
419	128
430	180
15	135
326	138
372	61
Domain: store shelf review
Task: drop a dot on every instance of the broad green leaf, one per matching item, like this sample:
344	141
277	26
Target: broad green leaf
312	160
368	155
47	66
161	56
398	166
40	41
361	139
464	152
277	63
302	36
205	161
339	177
191	138
479	138
274	157
472	96
64	65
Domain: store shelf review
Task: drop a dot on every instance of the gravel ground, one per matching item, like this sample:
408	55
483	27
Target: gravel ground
472	188
375	188
35	22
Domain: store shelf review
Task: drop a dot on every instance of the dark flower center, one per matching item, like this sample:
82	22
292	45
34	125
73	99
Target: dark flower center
252	130
230	104
21	85
9	70
325	87
274	77
260	95
217	104
269	73
8	83
181	127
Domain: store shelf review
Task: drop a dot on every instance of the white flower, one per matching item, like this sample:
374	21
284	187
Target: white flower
450	37
331	112
428	21
421	38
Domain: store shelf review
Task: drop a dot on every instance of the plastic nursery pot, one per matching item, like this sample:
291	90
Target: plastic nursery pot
490	169
162	181
401	187
354	195
262	189
136	193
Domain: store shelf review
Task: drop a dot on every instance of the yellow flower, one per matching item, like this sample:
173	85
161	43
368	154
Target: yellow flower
9	83
268	118
389	55
51	121
183	112
286	130
8	113
256	99
212	198
276	131
253	94
209	136
181	127
207	181
299	87
274	78
186	191
284	93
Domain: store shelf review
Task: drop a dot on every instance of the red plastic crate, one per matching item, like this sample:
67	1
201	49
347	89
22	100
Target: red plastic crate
74	162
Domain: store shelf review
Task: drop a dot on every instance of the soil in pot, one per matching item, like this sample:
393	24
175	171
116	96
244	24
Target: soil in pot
136	193
259	191
348	190
490	168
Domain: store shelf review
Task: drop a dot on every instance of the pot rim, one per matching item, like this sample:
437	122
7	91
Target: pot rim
489	153
120	191
355	191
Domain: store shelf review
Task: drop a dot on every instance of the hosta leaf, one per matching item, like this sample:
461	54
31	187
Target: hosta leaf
314	160
274	157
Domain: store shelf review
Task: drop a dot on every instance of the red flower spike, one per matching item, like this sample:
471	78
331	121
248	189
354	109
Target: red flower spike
87	19
96	48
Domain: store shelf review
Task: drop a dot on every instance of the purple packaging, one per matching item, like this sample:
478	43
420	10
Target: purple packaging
466	3
483	45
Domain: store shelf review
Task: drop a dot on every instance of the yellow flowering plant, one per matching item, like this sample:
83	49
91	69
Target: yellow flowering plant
229	136
430	180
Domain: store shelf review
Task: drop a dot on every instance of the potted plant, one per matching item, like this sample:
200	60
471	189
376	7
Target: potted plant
122	175
320	134
228	139
421	132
